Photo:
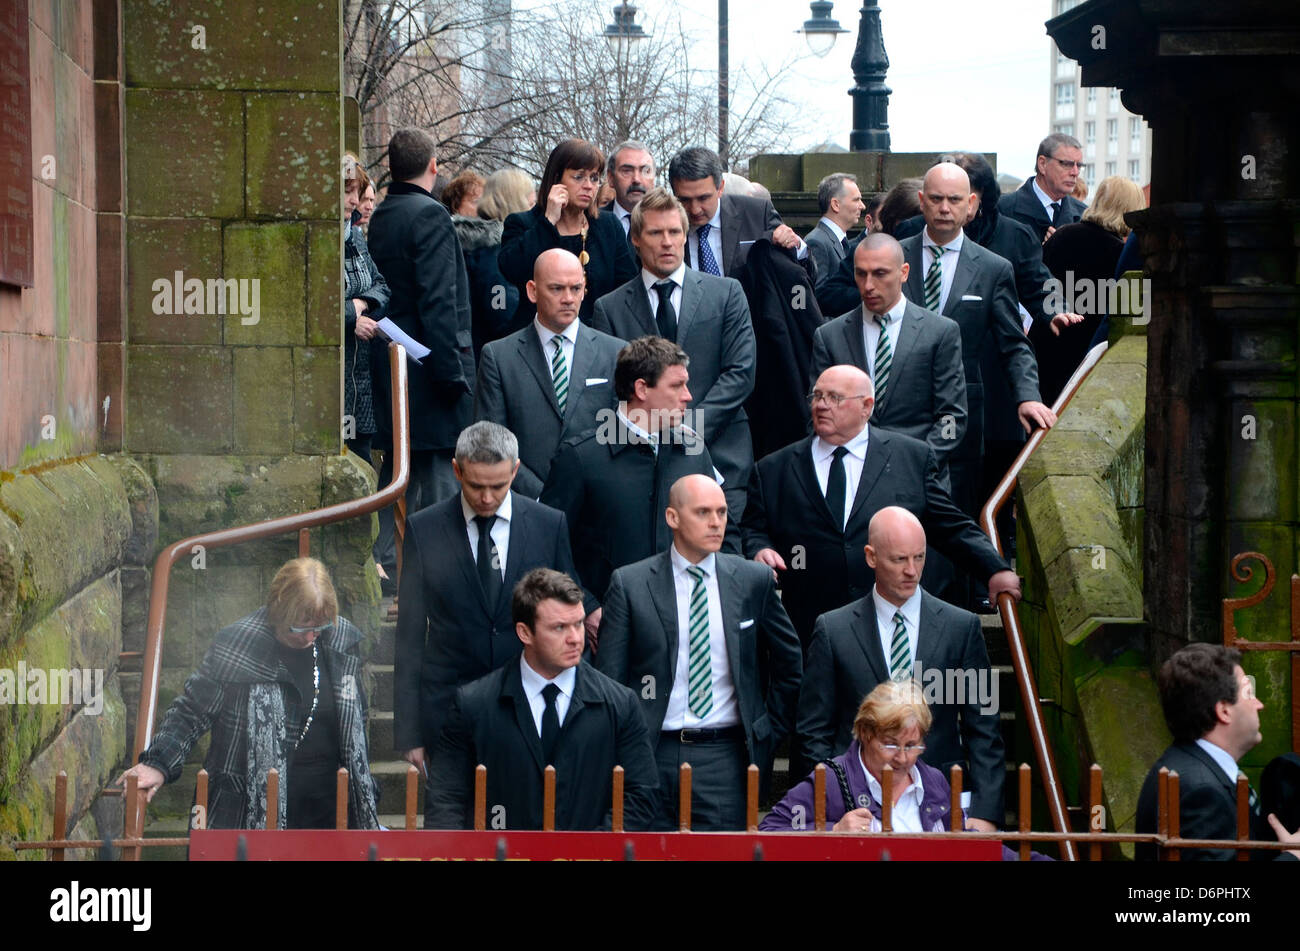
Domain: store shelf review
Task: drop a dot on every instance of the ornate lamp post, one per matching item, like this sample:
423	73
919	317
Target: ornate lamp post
869	92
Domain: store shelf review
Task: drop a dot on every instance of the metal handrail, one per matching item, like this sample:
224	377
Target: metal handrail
169	556
1029	702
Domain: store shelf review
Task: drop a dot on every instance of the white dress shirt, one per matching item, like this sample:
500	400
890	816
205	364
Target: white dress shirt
871	332
652	295
624	217
725	711
534	683
568	339
906	814
840	233
715	243
952	251
911	611
823	453
1045	198
1222	757
500	531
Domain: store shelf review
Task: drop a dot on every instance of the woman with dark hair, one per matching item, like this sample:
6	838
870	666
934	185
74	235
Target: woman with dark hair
566	216
899	204
365	295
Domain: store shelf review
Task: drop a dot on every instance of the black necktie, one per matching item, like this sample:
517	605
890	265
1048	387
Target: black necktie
489	562
550	724
1056	214
836	484
664	316
844	243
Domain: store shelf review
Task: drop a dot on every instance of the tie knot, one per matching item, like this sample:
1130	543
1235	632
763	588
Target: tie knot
898	617
882	319
1055	205
696	572
559	343
550	692
665	289
484	522
704	230
937	250
839	453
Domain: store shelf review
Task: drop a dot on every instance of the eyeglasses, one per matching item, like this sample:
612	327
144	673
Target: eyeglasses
1067	165
582	178
912	748
317	629
834	399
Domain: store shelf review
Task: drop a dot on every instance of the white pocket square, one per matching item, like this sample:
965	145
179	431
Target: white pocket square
971	297
746	623
594	380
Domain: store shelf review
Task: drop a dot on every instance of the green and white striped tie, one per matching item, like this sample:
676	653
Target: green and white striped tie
934	280
884	357
560	373
699	671
900	652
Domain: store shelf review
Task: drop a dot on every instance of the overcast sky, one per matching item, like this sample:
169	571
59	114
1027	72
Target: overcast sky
963	74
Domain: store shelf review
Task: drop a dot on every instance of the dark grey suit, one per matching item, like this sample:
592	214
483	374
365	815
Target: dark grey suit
714	329
982	301
743	221
825	249
515	389
845	663
925	396
1024	206
639	639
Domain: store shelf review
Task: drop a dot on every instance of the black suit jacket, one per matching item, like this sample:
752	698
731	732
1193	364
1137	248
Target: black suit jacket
1023	205
845	663
491	723
447	633
414	245
528	233
826	568
639	639
613	489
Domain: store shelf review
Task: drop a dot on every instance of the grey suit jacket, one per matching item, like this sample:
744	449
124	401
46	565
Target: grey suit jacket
743	220
983	303
925	396
639	639
825	249
515	389
714	329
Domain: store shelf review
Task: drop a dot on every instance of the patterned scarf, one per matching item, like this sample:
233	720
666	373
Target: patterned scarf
266	750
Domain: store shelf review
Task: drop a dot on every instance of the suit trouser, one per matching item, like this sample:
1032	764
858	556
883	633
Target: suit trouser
432	480
718	774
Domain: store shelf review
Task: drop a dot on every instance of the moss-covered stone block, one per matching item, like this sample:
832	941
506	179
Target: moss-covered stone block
240	44
1071	512
324	284
179	399
896	166
142	499
865	165
294	146
274	255
779	172
1112	703
157	251
261	423
88	749
1261	467
317	399
167	176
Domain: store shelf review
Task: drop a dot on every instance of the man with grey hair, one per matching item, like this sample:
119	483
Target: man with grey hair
460	562
840	202
1046	200
631	170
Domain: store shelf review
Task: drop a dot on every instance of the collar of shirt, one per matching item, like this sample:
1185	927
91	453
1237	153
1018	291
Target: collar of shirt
677	277
857	446
680	564
954	245
570	333
1222	757
534	682
895	313
503	510
910	609
840	233
637	431
914	790
1043	197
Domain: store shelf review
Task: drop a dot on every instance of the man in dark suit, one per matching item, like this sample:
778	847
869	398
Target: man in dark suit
707	317
954	276
1046	200
631	170
547	709
912	355
840	201
460	561
703	638
533	389
414	246
1213	714
899	632
612	483
810	504
728	224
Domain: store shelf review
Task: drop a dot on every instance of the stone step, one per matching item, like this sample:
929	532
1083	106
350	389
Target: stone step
165	828
391	776
380	735
398	820
386	644
380	678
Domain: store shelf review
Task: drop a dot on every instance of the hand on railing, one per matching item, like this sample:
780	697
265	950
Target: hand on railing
1004	581
1035	415
149	780
1283	835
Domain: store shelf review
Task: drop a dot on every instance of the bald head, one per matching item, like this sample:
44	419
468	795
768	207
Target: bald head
556	288
693	488
879	272
896	552
697	515
893	521
884	243
842	402
946	201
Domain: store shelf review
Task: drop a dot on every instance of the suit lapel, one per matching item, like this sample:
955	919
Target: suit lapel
457	532
691	294
663	592
856	342
731	596
584	352
928	636
1029	202
730	234
867	633
1215	769
915	277
515	556
908	329
876	462
806	474
512	688
966	270
530	351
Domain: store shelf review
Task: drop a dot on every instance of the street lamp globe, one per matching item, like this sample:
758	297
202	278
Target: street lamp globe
624	32
821	31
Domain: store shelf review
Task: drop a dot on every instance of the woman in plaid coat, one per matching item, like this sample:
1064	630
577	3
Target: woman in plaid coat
279	688
365	296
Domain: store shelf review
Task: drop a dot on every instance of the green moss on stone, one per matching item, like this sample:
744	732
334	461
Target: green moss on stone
156	249
275	255
294	151
179	399
167	176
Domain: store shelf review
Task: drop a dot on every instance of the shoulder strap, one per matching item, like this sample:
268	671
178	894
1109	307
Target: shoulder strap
843	783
